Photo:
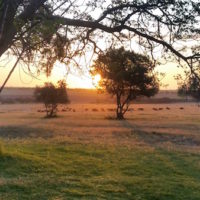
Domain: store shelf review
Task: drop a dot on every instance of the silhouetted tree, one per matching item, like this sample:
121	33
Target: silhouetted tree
46	31
183	91
125	75
191	87
51	96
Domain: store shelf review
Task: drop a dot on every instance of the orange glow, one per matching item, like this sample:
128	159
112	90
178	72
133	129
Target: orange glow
96	79
20	79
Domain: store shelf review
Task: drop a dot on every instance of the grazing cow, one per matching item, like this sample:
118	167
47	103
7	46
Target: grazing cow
167	108
155	109
160	108
141	109
181	108
111	109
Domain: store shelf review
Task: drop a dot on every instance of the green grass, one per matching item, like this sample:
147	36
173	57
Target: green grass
80	171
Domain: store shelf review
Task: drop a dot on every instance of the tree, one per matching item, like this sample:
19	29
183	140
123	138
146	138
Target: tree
191	87
125	75
51	96
183	91
44	31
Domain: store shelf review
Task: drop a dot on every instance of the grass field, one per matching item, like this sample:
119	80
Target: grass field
85	154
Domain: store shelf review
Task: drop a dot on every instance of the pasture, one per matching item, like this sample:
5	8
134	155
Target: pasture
86	154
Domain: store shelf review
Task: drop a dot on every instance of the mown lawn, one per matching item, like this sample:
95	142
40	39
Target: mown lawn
84	155
82	171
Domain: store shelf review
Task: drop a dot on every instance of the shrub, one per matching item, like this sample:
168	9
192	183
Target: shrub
51	96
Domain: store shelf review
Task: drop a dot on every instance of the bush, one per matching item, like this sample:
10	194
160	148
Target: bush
51	96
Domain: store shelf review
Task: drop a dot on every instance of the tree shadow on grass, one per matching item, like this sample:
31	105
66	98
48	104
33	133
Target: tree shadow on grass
22	132
159	138
153	138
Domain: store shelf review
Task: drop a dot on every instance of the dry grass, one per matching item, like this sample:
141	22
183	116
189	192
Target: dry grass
95	127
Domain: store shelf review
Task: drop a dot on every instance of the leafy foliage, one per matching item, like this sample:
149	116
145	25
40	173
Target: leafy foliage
125	75
191	87
51	30
51	96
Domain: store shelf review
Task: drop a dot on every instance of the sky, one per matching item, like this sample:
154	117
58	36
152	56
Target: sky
76	80
21	79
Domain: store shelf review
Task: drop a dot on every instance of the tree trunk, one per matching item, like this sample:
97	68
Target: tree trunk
8	17
119	110
52	110
120	115
7	27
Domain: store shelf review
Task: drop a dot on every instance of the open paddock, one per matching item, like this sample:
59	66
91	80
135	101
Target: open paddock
87	154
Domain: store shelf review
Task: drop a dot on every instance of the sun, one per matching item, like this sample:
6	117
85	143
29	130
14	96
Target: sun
96	79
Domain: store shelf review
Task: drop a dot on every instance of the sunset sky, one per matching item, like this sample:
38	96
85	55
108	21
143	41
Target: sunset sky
75	80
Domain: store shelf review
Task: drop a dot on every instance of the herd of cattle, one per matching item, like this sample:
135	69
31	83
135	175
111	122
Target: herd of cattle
68	109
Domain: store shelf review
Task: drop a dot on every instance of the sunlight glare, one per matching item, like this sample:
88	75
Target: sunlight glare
96	79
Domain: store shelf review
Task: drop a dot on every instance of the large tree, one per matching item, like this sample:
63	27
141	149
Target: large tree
44	31
125	75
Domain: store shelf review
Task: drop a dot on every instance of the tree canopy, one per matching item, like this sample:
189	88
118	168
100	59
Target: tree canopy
44	31
191	87
125	75
40	24
51	96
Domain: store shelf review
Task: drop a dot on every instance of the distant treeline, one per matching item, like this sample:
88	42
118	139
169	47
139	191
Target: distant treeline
25	95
